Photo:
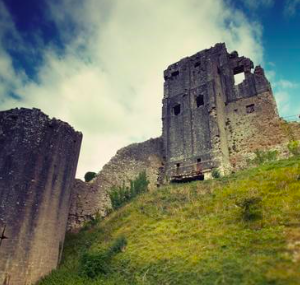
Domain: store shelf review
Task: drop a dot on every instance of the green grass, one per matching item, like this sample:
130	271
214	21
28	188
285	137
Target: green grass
201	233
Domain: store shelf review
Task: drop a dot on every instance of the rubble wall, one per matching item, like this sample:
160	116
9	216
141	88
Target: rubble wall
92	197
253	124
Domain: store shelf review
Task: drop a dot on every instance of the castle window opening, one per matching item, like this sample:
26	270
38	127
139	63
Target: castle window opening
250	108
199	160
239	75
239	78
200	100
175	74
177	165
176	109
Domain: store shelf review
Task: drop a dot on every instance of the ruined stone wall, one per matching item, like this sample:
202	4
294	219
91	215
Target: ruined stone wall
38	160
189	135
207	117
253	124
87	202
92	198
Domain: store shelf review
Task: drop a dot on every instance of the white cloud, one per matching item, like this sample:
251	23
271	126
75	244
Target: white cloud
283	102
291	7
284	91
109	82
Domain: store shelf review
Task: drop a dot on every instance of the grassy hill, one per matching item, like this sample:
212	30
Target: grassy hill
240	229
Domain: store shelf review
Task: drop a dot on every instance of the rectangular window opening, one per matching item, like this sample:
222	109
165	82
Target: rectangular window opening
200	100
176	109
199	160
177	165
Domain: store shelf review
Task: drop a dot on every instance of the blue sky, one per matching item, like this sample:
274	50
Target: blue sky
98	64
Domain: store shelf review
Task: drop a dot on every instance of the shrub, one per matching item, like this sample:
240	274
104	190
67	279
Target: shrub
94	264
94	220
89	176
121	195
262	157
294	147
216	173
251	208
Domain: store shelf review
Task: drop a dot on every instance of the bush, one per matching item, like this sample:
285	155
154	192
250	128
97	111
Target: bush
262	157
294	147
94	220
95	264
216	173
121	195
89	176
251	208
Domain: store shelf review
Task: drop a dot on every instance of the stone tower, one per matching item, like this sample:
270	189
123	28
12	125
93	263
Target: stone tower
38	160
201	107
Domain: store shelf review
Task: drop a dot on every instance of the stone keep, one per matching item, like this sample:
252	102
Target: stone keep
202	106
38	160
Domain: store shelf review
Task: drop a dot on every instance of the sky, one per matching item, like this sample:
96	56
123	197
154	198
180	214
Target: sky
98	64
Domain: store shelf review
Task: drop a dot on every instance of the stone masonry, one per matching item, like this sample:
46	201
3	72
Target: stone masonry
38	160
92	197
209	121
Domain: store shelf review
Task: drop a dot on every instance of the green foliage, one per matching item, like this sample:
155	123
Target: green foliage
242	229
89	176
94	264
294	147
262	157
121	195
251	208
216	173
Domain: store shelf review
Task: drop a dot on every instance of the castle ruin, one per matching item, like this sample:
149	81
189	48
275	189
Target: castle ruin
203	110
209	122
38	160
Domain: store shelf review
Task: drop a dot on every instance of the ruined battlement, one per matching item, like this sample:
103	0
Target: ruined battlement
38	160
205	66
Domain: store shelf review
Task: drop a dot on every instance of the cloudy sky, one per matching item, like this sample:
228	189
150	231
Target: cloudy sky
98	64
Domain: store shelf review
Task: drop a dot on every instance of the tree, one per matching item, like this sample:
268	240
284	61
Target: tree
89	176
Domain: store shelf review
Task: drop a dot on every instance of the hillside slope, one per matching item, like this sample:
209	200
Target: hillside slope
241	229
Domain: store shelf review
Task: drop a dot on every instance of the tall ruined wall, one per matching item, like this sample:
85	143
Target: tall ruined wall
189	124
92	198
38	160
